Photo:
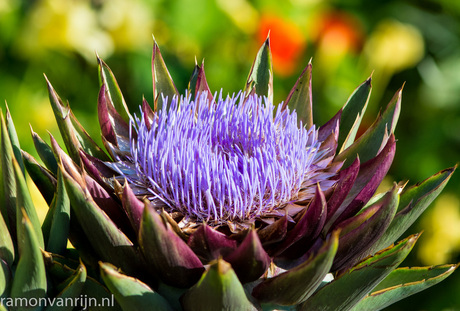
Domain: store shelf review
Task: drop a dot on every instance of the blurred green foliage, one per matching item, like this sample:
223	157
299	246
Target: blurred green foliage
395	41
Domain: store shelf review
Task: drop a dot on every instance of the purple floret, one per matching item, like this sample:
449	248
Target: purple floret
235	159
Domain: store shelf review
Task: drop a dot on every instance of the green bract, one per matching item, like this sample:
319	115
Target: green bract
328	243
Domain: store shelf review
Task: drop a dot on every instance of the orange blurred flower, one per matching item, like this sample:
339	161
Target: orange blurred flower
286	40
338	31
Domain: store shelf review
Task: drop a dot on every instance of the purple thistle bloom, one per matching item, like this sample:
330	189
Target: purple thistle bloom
248	209
238	159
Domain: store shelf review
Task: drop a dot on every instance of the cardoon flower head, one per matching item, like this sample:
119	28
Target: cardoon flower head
213	203
234	159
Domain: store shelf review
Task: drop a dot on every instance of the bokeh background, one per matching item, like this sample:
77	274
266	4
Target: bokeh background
417	42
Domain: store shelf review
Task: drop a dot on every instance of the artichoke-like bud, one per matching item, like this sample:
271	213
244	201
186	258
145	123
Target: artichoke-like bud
205	201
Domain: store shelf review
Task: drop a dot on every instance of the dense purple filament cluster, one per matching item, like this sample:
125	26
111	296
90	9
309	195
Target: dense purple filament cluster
234	159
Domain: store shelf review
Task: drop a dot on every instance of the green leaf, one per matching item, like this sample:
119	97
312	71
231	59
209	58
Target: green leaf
271	307
296	285
62	270
24	201
218	289
360	232
191	87
300	98
260	79
402	283
369	144
348	289
107	77
45	152
353	113
412	204
131	293
87	144
426	191
171	294
59	267
106	300
163	84
14	139
6	243
57	221
8	181
41	176
108	241
74	135
81	242
5	279
30	277
72	290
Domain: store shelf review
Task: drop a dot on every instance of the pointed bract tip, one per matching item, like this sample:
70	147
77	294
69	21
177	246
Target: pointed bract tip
116	184
416	236
334	235
155	44
402	185
32	130
402	87
47	81
54	143
100	62
450	170
369	80
222	266
8	114
318	187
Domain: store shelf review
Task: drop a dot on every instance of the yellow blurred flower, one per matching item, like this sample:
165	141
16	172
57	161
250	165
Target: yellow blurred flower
129	23
394	46
63	25
442	235
243	14
70	25
8	5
